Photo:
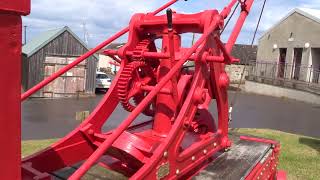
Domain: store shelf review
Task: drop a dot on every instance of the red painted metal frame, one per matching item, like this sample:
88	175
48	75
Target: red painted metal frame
10	113
181	136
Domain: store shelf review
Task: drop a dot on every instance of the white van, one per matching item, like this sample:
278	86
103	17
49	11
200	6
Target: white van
103	82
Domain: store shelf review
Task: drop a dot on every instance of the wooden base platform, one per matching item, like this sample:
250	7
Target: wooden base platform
237	163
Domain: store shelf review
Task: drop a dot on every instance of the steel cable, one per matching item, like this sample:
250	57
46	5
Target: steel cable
234	100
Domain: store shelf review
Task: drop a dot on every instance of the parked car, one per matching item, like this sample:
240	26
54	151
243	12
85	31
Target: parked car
103	82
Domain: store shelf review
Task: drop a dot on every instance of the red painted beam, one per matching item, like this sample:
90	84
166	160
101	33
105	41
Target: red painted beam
17	7
10	80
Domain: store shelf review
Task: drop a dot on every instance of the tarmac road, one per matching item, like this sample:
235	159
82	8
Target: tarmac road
54	118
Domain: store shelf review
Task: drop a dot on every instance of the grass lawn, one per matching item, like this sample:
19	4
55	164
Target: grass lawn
32	146
300	155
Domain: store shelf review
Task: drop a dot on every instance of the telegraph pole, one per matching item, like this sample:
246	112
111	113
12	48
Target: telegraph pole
25	34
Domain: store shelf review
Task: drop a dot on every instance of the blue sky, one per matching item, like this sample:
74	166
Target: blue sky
105	17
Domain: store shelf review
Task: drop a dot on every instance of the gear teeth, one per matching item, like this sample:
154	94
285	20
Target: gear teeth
126	75
122	85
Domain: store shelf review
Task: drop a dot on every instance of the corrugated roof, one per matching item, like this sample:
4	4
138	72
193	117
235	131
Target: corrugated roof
38	42
245	53
44	38
114	46
313	14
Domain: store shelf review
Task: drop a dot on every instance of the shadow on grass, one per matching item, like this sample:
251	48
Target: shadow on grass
313	143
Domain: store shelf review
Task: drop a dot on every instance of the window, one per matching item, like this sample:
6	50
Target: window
102	76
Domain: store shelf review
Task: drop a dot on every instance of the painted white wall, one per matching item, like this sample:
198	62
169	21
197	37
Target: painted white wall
104	61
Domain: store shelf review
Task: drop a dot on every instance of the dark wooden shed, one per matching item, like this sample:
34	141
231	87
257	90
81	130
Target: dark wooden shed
51	51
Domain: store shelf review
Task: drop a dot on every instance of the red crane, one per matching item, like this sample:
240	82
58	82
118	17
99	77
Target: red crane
180	137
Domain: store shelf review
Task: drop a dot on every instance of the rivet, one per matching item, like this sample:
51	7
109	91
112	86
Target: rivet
261	173
177	171
215	144
205	151
193	158
165	154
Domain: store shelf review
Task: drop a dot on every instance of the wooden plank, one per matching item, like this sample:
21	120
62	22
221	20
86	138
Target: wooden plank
236	163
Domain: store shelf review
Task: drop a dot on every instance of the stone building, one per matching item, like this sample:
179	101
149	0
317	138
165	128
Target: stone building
291	48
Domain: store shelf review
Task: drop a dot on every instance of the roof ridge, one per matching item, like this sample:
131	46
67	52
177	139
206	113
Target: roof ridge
292	11
45	37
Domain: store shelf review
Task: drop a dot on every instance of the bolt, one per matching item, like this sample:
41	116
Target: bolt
90	132
205	151
177	171
193	158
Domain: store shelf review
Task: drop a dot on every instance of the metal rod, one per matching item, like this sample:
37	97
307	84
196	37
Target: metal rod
83	57
160	55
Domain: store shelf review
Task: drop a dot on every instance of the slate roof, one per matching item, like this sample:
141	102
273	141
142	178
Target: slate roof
313	14
44	38
245	53
114	46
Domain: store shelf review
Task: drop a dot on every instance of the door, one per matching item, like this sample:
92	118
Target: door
282	62
70	83
315	66
297	56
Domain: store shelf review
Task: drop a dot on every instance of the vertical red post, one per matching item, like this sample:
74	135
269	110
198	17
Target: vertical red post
166	105
10	86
